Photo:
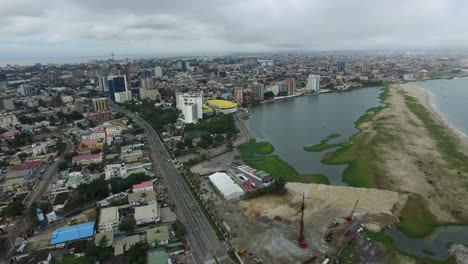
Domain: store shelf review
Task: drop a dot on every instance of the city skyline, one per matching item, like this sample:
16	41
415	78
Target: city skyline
87	28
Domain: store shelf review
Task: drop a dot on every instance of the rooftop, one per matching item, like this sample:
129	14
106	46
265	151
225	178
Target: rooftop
70	233
87	157
222	104
145	196
160	233
157	257
146	211
142	185
226	185
27	165
108	215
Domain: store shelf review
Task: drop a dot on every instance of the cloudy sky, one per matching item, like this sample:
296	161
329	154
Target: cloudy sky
40	28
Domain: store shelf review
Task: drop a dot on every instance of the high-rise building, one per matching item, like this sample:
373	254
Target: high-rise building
281	87
158	73
313	83
100	104
182	65
116	84
147	83
8	104
341	67
258	90
103	85
24	89
148	90
123	97
191	106
290	85
238	94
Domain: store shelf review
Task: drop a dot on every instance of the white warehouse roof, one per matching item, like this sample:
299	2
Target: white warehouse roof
228	188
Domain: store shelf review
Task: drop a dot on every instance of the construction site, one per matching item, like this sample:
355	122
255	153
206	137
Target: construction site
312	223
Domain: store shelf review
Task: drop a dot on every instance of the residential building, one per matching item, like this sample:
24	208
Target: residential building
24	89
117	85
8	120
90	144
103	84
158	72
313	83
100	104
8	104
114	130
191	105
282	87
143	187
290	85
39	149
93	133
123	97
108	219
238	94
147	214
150	94
408	77
142	198
132	156
157	236
87	159
115	171
258	91
147	83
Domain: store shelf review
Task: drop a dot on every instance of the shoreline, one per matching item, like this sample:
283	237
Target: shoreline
427	99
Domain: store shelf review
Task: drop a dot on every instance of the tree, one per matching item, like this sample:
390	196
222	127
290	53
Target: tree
127	225
14	208
179	229
180	145
22	156
63	165
103	241
269	95
188	141
208	138
68	157
219	138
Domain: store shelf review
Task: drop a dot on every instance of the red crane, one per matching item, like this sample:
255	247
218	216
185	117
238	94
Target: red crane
302	241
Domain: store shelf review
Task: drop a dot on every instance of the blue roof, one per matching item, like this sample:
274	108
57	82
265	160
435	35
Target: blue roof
70	233
85	132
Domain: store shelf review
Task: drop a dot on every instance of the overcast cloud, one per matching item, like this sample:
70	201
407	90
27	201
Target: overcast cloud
97	27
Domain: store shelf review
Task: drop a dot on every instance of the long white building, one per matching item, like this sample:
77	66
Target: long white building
191	106
313	83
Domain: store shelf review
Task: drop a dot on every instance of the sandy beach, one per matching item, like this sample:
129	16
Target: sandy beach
409	159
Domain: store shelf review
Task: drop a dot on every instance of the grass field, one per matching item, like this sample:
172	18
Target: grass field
415	219
255	154
445	142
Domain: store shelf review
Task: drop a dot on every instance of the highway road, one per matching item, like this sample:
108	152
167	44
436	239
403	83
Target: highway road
28	218
204	244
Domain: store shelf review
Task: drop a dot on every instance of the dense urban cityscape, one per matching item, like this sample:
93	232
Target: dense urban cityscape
138	160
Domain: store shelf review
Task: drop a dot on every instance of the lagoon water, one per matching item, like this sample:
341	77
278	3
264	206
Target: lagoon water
450	98
295	123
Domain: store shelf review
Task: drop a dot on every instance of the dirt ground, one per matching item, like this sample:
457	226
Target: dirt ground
411	162
267	226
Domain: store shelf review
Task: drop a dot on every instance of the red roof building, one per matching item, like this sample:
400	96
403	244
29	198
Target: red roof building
144	186
87	159
10	134
27	165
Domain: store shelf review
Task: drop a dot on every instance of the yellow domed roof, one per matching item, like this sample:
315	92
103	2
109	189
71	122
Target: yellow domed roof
222	104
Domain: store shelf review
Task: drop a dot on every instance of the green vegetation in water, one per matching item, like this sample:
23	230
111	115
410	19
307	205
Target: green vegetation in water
416	220
273	164
357	154
446	143
323	145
